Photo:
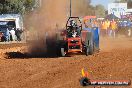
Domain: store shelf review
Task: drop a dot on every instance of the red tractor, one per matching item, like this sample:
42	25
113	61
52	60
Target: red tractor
74	39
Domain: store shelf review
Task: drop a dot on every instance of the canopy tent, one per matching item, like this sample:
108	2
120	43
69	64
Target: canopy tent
111	16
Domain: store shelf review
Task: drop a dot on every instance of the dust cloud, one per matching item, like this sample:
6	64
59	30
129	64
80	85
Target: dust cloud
43	25
108	44
50	18
47	20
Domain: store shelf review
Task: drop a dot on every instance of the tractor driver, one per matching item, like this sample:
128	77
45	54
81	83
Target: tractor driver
74	29
74	32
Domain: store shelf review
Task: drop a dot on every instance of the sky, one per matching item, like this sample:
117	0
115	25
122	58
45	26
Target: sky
102	2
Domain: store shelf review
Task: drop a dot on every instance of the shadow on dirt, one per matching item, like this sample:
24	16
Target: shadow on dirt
19	55
39	49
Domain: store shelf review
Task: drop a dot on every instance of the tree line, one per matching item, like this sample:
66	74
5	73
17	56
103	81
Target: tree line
24	6
16	6
84	8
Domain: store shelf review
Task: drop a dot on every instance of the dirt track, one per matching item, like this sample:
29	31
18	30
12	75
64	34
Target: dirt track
113	62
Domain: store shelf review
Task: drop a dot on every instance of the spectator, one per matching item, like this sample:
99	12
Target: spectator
95	23
7	35
18	33
87	28
113	27
129	28
129	33
12	32
103	28
107	25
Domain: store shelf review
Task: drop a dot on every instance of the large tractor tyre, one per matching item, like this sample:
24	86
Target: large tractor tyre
87	51
63	54
58	44
89	44
58	52
91	49
60	48
58	36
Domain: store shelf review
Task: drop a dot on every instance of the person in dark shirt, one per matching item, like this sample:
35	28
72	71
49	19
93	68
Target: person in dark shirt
18	33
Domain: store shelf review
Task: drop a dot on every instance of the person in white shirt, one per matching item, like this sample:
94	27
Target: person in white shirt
12	32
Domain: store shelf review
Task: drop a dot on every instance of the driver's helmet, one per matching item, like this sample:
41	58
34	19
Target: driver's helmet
72	23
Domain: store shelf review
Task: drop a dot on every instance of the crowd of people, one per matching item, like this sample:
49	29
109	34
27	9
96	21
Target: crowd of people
108	28
111	27
11	34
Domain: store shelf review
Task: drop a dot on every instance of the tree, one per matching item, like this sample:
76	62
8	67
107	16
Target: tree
29	4
129	3
120	1
100	11
83	7
1	7
16	6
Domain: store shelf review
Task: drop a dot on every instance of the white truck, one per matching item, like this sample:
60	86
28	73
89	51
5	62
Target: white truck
14	20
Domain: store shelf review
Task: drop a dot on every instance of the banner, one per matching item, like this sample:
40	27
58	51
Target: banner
118	9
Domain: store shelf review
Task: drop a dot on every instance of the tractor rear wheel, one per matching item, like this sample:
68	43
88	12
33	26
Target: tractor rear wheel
91	49
89	44
63	54
87	51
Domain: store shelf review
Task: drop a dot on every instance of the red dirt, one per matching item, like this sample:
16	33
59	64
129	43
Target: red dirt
65	72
